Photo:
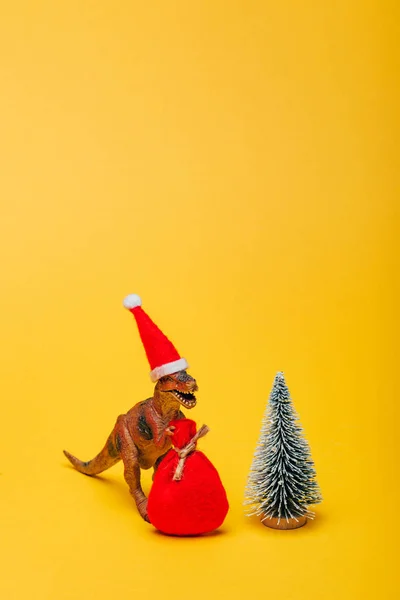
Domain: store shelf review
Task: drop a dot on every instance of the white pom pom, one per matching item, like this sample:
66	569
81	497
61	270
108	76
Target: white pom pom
132	301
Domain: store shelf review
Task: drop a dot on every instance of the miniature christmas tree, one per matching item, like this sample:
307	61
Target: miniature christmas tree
281	483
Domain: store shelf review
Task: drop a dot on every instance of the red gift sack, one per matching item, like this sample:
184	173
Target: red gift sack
187	496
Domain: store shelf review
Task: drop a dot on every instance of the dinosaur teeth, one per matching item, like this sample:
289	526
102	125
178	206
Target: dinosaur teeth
186	398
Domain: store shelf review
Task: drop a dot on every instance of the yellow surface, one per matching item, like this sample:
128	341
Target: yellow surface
235	164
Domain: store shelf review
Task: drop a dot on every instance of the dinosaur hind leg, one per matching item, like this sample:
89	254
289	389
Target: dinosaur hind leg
157	464
129	455
106	458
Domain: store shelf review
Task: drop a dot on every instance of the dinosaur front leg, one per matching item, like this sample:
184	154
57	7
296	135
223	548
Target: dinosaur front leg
129	455
166	433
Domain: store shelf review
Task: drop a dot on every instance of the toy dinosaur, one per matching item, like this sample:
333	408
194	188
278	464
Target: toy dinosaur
139	438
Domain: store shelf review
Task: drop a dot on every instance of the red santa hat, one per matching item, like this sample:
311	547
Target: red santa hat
162	355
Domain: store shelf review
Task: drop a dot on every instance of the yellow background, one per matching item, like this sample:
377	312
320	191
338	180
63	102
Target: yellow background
235	164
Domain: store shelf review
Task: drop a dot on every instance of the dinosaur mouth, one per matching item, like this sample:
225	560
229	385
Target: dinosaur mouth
186	398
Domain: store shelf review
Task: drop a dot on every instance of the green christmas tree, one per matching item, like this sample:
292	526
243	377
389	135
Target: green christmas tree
282	481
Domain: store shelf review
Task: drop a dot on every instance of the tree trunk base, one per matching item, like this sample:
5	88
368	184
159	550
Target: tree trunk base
285	524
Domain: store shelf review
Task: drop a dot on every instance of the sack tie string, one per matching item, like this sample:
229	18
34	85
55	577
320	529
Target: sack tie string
186	450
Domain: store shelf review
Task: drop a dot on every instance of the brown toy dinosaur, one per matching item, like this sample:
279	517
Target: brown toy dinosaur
139	438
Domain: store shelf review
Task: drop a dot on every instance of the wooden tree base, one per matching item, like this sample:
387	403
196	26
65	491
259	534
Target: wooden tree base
285	524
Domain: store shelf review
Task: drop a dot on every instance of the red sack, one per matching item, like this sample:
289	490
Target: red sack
187	496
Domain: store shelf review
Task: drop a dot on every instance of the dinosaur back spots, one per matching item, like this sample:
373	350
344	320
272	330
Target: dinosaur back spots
144	428
113	451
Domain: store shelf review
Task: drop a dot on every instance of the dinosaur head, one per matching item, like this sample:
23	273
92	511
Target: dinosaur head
178	387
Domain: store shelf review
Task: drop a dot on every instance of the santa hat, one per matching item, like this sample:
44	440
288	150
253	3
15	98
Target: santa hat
163	357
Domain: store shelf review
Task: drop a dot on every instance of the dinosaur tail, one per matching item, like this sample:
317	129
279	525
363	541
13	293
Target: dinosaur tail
105	459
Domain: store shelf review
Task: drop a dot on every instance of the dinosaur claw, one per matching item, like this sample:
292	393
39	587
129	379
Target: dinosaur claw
142	508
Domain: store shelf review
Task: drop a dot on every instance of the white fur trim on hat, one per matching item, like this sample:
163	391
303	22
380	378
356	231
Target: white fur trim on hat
132	301
168	369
